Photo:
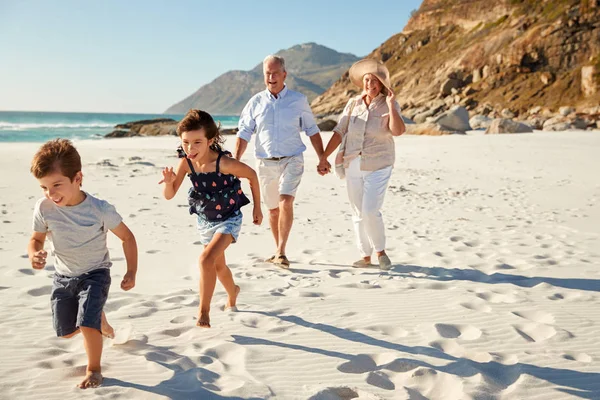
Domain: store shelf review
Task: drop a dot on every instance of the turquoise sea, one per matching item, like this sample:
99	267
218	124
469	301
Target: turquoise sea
30	126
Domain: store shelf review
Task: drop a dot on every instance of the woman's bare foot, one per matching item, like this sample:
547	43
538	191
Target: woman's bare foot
92	379
231	300
106	329
203	320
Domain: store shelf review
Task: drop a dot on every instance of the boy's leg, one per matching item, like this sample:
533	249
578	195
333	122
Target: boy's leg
64	306
93	292
105	328
226	279
92	341
208	274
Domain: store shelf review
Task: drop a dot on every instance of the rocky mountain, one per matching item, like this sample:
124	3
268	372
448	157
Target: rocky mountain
491	57
312	69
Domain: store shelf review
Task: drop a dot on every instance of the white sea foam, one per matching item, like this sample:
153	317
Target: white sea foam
10	126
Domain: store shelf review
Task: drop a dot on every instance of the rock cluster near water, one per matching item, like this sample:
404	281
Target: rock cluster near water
152	127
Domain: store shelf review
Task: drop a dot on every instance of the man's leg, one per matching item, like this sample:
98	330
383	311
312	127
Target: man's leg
269	174
274	224
286	220
288	185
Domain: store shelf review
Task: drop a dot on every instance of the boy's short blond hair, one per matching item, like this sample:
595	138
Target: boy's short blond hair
58	155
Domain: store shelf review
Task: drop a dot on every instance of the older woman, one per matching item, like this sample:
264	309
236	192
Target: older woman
366	130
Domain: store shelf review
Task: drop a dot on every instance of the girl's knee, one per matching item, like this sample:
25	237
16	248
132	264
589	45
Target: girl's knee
207	260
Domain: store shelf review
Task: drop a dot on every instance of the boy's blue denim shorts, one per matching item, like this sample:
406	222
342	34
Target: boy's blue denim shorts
79	300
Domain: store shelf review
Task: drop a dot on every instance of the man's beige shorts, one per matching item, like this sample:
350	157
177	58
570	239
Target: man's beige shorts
279	177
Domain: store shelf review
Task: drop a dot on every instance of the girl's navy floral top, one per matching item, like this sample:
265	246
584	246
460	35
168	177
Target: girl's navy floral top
214	196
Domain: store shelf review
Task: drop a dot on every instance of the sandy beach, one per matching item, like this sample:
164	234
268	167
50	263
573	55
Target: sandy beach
494	292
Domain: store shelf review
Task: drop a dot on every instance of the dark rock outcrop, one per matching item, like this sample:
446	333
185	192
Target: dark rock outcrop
511	54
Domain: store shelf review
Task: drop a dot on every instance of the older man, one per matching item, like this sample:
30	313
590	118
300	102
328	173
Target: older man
277	115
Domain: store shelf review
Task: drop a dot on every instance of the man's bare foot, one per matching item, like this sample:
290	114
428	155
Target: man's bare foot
231	301
203	320
106	329
92	379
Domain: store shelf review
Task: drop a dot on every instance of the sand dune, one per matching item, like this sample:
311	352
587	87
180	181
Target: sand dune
495	242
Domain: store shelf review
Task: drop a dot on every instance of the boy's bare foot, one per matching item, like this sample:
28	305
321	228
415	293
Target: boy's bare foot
203	320
106	329
92	379
231	301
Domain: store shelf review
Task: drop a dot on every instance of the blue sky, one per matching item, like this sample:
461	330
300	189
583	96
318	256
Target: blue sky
143	56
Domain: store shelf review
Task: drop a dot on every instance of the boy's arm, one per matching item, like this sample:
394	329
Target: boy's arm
173	181
241	170
131	254
35	250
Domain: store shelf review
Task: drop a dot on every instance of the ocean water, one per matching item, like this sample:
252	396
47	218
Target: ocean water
29	126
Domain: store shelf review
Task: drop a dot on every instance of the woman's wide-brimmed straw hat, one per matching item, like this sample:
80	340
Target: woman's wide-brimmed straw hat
369	66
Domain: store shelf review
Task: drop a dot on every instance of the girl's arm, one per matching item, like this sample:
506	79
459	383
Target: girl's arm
241	170
35	250
131	254
173	181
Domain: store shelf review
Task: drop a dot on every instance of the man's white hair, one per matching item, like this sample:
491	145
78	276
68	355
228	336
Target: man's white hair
272	57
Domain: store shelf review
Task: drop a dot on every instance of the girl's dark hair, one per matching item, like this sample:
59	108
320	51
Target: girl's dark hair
198	119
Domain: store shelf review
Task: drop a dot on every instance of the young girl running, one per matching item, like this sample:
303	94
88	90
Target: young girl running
216	197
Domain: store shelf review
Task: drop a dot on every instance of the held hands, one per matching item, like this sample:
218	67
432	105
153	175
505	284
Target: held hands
324	167
168	176
128	281
257	215
38	260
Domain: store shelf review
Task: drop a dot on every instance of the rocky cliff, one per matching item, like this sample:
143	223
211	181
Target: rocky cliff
490	57
312	69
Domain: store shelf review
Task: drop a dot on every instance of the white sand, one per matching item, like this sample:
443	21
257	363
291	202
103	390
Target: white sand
493	295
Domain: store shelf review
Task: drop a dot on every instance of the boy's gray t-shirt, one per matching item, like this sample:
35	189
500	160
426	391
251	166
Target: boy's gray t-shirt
78	233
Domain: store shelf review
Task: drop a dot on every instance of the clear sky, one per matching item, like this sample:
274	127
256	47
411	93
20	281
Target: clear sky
144	56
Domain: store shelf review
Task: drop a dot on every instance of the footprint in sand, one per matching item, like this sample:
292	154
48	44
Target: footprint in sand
494	297
477	305
27	271
564	296
541	317
310	294
341	393
41	291
122	334
533	332
175	332
581	357
358	365
182	318
451	331
388	330
381	380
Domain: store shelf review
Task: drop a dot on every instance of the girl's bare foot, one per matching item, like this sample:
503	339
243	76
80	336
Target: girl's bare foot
231	300
203	320
92	379
106	329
